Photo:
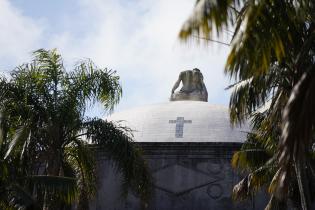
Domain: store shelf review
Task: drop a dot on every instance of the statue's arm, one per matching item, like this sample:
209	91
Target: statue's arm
176	84
205	90
204	87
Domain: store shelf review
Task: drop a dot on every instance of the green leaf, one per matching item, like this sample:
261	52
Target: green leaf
62	187
21	135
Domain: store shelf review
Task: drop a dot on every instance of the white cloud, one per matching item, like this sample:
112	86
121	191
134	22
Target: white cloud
19	35
137	38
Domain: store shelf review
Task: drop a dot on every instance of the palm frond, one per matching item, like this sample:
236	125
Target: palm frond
81	158
265	132
299	120
275	204
249	159
50	62
62	187
21	198
42	113
88	82
278	176
297	135
272	61
240	190
247	96
207	17
253	182
21	134
257	93
119	146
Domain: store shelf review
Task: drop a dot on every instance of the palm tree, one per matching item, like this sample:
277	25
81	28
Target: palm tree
16	183
44	124
271	39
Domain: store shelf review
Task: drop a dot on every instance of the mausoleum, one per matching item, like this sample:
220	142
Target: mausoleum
188	144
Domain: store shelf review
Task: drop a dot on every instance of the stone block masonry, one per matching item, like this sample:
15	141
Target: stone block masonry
187	176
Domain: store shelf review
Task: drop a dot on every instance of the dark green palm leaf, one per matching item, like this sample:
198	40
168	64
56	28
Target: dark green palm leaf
42	117
272	60
62	187
22	134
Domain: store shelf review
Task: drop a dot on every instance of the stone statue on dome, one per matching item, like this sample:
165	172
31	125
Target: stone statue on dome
193	88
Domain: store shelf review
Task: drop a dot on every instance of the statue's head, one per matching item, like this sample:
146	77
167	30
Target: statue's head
197	75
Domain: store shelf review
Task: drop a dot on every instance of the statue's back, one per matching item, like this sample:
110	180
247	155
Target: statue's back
187	80
193	87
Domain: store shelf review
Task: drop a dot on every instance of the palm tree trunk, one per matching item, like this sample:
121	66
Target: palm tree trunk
53	169
303	187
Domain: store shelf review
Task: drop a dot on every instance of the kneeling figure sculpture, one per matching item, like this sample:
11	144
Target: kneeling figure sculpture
193	88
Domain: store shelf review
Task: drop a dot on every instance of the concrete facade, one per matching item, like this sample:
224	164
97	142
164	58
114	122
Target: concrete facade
188	146
187	176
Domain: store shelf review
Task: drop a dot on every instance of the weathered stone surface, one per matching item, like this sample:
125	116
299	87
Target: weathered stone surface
181	121
187	176
193	87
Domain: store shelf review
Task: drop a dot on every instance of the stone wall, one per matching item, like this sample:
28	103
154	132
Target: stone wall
187	176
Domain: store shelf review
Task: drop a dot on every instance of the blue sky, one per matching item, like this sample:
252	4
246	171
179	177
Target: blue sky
138	38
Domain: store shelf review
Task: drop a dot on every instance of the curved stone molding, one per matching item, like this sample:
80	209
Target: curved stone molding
215	191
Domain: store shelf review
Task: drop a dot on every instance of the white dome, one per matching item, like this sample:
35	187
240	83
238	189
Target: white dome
180	121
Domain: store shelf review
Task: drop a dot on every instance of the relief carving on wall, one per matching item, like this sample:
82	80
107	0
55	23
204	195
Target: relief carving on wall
195	176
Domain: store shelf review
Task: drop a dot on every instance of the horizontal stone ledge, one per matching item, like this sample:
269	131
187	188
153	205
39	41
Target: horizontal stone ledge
170	150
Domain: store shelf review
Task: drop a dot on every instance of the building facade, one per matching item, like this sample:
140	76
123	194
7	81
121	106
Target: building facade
188	144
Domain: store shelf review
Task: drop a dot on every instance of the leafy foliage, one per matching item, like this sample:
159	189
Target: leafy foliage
272	61
45	156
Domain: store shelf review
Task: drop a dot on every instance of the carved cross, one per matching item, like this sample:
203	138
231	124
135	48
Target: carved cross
179	128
